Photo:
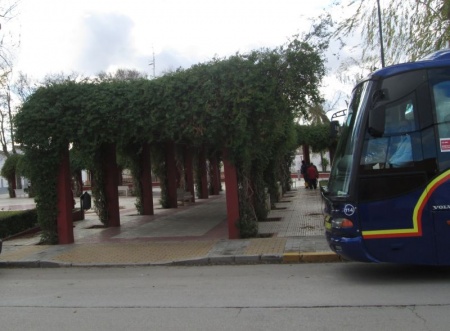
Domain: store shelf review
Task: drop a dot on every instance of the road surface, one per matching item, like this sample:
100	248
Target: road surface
337	296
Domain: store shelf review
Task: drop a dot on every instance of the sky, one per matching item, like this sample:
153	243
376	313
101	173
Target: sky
103	35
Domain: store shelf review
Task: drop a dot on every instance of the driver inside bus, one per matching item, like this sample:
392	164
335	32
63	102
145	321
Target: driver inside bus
402	156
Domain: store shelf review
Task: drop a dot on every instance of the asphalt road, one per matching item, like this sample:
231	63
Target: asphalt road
338	296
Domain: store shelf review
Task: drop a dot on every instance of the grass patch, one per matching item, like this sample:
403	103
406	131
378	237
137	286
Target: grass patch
9	213
323	182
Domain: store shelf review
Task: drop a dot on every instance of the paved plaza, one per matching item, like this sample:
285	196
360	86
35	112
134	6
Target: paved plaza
195	233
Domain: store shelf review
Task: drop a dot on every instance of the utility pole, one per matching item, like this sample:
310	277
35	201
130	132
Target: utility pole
153	63
381	34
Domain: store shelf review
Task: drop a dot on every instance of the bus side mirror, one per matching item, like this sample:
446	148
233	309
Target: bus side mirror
334	129
376	121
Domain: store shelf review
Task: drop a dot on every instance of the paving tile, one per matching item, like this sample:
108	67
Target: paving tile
151	252
18	253
265	246
192	234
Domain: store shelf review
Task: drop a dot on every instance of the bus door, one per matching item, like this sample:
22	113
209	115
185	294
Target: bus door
442	225
438	206
393	173
390	229
440	199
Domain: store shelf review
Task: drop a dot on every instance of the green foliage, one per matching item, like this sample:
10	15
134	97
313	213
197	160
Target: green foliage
14	222
317	136
197	167
79	160
159	169
259	193
287	179
248	227
98	189
42	168
10	167
131	155
325	163
248	222
245	103
8	213
411	29
323	183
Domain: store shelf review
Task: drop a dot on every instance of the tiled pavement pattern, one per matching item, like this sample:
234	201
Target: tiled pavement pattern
300	212
10	253
192	234
110	253
181	224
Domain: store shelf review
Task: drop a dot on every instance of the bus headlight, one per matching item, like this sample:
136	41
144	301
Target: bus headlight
341	223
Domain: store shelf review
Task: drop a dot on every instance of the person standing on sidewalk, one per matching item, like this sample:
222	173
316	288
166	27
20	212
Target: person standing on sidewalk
312	175
303	169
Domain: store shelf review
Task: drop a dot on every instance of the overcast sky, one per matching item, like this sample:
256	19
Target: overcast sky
89	36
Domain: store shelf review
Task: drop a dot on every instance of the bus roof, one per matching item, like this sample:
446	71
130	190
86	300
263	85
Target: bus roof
434	60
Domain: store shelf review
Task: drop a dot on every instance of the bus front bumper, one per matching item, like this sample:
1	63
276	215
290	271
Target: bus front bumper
349	248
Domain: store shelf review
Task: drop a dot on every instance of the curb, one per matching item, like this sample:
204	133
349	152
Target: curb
286	258
313	257
31	264
24	232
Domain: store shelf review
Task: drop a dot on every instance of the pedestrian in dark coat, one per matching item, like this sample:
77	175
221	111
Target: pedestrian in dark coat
303	169
313	175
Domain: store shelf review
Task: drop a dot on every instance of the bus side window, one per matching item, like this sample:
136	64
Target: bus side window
402	153
441	96
442	104
374	153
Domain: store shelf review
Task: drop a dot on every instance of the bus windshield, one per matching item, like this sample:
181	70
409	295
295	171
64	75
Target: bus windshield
344	160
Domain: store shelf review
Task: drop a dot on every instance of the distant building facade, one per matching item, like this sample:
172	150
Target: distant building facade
314	158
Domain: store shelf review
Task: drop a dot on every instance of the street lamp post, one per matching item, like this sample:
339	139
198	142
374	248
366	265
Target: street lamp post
381	34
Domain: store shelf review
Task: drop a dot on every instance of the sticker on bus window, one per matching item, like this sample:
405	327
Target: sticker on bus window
445	145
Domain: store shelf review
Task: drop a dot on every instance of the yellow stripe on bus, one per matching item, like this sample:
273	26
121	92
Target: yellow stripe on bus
416	229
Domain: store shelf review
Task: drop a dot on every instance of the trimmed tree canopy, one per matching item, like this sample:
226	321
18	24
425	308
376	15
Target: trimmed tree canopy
246	103
215	103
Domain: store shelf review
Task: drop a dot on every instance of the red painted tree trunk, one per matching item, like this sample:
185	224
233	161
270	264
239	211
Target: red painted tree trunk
215	176
146	181
203	174
65	202
232	196
111	184
189	172
306	154
171	175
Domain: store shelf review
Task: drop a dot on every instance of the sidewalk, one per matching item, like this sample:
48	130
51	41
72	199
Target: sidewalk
194	234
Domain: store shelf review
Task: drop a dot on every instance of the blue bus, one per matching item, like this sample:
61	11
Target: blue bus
388	195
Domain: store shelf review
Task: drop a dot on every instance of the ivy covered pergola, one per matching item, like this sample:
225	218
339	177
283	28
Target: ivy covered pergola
240	110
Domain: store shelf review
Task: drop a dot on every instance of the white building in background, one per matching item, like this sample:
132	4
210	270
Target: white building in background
313	157
3	181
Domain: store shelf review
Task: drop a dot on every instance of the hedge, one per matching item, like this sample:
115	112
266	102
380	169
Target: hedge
18	222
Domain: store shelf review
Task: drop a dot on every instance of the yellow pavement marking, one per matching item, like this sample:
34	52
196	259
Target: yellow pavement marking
313	257
320	257
18	253
291	257
265	246
149	252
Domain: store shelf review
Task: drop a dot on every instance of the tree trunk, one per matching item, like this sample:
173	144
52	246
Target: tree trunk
12	186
